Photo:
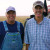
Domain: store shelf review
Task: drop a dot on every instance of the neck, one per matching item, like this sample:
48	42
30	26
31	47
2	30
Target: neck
10	22
39	19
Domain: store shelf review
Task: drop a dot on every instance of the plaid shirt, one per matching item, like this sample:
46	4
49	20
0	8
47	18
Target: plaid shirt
38	35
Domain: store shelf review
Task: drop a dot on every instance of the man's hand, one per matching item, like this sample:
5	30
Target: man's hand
27	45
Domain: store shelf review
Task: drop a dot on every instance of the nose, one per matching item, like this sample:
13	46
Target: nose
38	9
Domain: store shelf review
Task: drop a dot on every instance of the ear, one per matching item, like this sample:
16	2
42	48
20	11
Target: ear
44	9
15	14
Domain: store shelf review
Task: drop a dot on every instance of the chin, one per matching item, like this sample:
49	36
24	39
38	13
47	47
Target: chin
11	20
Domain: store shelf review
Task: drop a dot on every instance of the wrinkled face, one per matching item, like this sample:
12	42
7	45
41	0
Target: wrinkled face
11	15
38	11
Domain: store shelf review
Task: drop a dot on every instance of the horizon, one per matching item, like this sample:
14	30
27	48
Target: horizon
23	7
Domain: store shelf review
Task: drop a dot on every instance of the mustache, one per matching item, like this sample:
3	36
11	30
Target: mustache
38	12
11	16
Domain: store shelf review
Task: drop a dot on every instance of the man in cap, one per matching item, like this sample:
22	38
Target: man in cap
37	30
11	32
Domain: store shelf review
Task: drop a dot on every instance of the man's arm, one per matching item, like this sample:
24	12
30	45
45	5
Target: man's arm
26	36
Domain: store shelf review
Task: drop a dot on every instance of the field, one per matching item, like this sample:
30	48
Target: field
21	19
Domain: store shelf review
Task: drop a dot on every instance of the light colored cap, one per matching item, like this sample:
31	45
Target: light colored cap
40	3
10	8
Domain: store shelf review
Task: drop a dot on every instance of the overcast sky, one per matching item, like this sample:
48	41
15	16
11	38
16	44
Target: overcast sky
23	7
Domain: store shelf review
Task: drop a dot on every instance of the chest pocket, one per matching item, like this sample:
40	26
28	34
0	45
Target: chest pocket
12	40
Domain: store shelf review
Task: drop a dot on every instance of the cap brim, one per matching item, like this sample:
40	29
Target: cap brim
10	10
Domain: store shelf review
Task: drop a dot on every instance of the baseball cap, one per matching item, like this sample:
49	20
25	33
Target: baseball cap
10	8
40	3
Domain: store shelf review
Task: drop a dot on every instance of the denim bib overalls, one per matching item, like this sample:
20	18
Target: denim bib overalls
12	40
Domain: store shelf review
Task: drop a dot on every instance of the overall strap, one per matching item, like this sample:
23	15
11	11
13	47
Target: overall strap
18	26
5	25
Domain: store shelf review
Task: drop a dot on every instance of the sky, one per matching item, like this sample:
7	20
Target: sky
23	7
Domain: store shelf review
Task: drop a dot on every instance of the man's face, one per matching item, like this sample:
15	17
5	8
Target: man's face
38	11
11	15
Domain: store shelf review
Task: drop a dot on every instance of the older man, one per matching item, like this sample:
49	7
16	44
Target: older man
11	32
37	30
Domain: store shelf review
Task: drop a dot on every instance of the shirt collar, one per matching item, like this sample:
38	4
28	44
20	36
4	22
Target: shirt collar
40	22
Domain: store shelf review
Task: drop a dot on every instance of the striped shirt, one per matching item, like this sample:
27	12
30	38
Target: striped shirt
37	35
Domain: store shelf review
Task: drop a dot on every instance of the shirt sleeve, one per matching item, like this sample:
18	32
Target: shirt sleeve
26	38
